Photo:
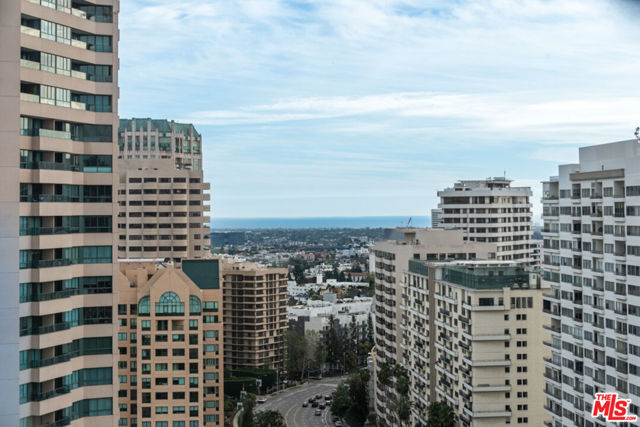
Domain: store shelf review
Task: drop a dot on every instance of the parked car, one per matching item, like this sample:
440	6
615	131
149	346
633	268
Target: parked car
305	404
318	412
262	399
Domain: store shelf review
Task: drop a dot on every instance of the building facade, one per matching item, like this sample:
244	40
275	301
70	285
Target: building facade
255	315
170	344
591	251
474	341
58	121
491	211
162	211
436	218
161	139
391	259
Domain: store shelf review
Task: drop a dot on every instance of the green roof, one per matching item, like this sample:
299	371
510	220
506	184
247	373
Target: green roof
160	125
205	273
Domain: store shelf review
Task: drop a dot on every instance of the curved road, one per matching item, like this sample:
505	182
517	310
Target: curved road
289	403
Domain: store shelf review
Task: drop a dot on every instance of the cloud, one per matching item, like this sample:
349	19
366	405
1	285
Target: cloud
287	93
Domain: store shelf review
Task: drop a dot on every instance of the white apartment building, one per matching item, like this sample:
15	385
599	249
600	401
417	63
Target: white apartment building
491	210
473	341
591	260
391	259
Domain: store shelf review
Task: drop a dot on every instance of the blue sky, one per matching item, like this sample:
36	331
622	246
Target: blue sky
368	107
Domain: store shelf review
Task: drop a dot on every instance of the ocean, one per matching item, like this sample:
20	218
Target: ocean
319	223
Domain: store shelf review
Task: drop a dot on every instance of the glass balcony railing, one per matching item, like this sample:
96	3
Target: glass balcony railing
64	294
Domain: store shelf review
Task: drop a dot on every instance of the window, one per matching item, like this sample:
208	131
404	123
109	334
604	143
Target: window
169	304
195	306
144	309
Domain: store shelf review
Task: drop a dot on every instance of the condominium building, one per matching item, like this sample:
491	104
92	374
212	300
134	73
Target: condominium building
591	251
58	120
474	341
161	211
391	260
161	139
255	315
170	371
491	210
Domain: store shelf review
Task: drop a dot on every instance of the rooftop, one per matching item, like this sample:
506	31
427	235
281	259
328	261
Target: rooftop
161	125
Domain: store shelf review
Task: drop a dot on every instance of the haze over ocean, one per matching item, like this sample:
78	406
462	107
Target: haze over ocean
320	222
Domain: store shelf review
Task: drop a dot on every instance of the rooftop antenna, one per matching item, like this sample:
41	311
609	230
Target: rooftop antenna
409	223
637	133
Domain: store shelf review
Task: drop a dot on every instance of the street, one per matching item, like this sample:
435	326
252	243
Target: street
289	403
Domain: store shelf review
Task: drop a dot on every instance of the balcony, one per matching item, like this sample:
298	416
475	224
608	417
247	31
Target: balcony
487	337
487	414
487	388
487	363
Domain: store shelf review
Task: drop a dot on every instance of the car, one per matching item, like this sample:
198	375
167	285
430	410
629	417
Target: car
311	400
322	406
318	396
314	404
334	419
262	399
327	397
305	404
318	412
338	423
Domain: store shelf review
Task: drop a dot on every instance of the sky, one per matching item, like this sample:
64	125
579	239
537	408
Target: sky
312	108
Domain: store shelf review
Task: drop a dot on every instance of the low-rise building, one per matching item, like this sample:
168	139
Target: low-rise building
170	344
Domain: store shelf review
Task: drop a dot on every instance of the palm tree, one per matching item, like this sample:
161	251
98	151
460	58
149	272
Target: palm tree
440	415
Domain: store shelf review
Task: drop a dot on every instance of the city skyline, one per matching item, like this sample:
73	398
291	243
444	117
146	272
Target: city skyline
319	109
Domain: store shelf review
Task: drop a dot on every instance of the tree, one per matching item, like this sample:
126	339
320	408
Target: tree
246	418
296	349
341	401
440	415
358	393
269	418
333	346
402	407
385	374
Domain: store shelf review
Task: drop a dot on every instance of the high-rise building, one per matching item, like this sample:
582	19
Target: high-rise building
58	121
162	211
473	338
491	210
170	370
161	139
255	315
436	218
391	260
591	251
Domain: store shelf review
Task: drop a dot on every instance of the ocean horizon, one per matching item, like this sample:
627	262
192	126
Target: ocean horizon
319	222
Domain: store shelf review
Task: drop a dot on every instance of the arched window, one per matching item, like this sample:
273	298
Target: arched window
195	306
169	297
169	305
144	306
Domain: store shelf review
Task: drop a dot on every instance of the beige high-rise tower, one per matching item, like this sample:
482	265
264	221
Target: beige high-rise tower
58	121
162	193
170	344
255	315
